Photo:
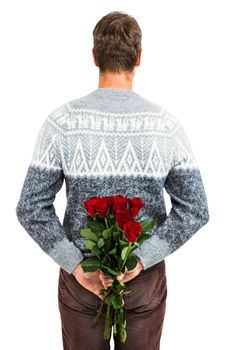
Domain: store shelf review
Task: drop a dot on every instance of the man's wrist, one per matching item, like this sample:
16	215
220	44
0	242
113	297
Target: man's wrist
140	264
76	269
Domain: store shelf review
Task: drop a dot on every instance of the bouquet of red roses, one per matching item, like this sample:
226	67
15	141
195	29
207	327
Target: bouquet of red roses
113	230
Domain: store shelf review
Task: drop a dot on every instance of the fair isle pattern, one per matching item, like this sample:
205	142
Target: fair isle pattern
44	155
89	149
112	141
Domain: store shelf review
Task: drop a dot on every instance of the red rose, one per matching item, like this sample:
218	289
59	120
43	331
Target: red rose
123	216
132	230
98	205
121	210
136	204
120	202
90	204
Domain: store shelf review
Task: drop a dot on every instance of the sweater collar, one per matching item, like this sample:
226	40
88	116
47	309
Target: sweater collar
113	91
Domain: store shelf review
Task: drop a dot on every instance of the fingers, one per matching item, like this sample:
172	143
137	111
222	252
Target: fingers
96	291
107	282
128	275
120	277
105	278
100	296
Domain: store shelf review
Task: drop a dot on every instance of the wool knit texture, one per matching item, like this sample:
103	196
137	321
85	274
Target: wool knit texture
111	141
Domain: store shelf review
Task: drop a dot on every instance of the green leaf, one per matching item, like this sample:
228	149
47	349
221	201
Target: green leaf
96	250
123	243
132	254
106	272
107	233
142	237
100	242
148	224
115	273
123	252
90	244
96	226
90	264
113	251
86	232
131	262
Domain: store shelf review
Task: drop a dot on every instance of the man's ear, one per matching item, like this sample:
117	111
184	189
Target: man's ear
94	57
139	57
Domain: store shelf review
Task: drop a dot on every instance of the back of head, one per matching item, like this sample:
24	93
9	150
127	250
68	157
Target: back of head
117	42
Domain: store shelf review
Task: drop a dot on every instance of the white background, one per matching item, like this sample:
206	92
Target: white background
186	66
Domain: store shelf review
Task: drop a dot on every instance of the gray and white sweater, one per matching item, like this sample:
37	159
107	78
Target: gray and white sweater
111	141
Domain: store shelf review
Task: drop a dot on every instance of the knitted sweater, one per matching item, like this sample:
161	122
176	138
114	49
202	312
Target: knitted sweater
111	141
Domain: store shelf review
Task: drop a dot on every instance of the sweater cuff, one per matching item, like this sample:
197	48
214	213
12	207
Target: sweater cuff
152	251
66	254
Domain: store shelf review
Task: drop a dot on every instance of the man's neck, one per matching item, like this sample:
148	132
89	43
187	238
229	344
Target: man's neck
115	80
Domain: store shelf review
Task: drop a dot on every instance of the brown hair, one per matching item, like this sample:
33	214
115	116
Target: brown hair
117	41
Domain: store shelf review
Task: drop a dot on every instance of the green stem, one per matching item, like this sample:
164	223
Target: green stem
115	322
108	323
99	313
106	222
126	255
103	302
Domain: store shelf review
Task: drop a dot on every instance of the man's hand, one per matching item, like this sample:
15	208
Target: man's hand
96	280
129	275
93	281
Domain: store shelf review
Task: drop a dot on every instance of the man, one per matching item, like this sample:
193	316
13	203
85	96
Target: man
112	141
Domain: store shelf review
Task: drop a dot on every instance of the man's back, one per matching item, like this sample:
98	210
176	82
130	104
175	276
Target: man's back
112	141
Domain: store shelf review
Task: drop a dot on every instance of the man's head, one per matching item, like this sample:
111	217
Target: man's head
117	43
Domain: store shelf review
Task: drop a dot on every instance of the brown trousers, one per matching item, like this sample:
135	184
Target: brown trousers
144	320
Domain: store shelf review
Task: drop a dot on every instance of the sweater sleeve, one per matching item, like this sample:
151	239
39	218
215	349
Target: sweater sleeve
189	211
35	210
